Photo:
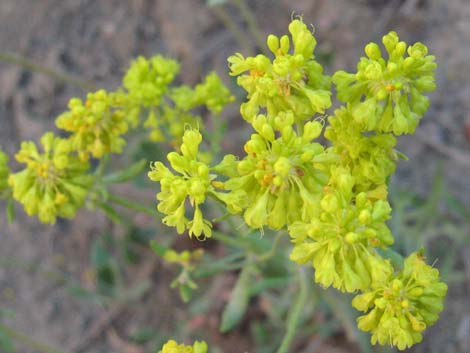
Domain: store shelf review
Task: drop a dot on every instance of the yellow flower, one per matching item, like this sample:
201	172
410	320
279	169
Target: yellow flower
96	125
401	307
54	183
173	347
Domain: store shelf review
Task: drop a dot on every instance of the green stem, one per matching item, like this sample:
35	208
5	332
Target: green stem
57	75
208	271
228	239
103	163
250	20
269	254
132	205
300	128
36	345
295	313
230	24
216	136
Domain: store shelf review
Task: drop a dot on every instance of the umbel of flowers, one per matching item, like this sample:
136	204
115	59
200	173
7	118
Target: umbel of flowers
54	182
331	200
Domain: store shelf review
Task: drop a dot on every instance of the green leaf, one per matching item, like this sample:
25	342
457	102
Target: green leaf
157	248
143	335
126	174
100	256
106	268
110	212
268	283
185	292
238	303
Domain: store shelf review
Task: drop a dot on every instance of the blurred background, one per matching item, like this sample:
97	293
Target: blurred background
52	50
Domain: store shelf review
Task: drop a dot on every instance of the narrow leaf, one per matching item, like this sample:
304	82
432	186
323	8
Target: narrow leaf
238	303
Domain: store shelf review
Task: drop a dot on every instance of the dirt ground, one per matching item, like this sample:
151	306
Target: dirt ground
96	39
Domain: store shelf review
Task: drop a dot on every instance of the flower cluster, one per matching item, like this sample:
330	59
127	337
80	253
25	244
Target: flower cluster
370	158
332	200
96	125
282	177
283	171
340	238
147	80
193	183
387	95
53	183
56	182
173	347
402	305
293	81
187	261
176	112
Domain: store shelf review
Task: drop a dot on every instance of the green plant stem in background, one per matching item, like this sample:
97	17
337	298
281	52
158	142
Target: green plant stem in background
235	242
230	24
216	136
57	75
247	15
269	254
132	205
27	340
103	163
295	313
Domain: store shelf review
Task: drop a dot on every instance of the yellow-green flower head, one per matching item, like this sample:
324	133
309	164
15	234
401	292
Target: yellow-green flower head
174	113
340	239
170	121
4	172
96	125
400	308
212	93
283	176
386	95
371	159
147	80
192	182
54	183
173	347
293	81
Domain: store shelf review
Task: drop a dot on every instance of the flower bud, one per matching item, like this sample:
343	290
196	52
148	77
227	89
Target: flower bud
372	50
273	43
364	217
329	203
285	44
